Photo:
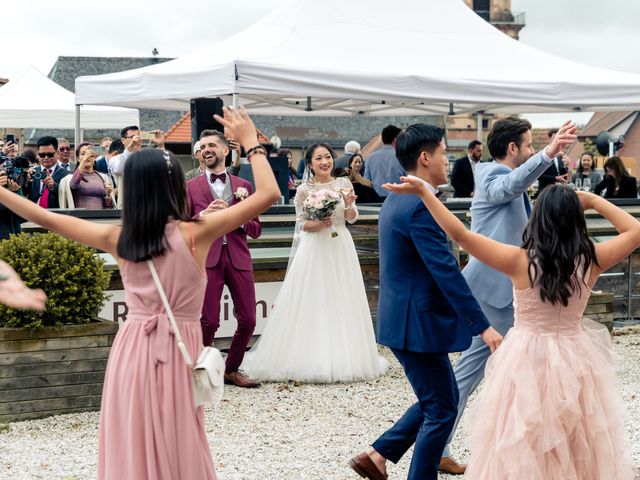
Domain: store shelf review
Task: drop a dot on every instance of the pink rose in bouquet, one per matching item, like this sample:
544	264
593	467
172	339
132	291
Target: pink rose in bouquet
320	204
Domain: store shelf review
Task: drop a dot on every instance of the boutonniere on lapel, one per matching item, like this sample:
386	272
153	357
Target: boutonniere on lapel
241	193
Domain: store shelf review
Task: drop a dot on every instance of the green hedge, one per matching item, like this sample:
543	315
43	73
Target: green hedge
71	274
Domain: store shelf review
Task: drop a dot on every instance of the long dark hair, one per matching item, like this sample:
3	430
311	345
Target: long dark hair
580	169
557	243
619	170
311	150
154	192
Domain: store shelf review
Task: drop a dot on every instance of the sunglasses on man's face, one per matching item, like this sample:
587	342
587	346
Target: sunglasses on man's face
64	149
46	154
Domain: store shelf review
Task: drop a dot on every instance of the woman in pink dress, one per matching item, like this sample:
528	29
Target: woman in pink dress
550	407
150	427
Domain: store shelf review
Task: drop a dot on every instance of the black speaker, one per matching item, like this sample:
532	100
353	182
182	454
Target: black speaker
604	139
202	111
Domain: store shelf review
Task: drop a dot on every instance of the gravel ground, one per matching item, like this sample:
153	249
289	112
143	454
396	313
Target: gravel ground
280	431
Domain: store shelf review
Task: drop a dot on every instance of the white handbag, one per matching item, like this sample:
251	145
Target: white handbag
208	373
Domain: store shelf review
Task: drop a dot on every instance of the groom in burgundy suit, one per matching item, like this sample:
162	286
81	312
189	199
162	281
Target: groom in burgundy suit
229	261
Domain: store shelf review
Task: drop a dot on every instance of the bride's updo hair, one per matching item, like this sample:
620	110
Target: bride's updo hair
557	243
309	155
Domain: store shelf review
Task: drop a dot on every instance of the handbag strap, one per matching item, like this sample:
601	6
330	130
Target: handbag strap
179	341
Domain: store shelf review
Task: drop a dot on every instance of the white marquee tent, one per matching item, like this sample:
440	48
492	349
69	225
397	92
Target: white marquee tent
337	57
33	100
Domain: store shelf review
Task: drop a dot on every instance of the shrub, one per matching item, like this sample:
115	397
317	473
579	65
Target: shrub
71	275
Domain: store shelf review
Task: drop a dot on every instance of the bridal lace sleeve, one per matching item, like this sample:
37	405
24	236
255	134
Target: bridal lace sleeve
345	184
302	192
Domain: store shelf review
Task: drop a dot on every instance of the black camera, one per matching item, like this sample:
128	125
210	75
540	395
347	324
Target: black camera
38	175
15	169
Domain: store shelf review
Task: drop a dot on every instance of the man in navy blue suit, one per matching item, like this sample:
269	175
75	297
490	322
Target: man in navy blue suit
425	311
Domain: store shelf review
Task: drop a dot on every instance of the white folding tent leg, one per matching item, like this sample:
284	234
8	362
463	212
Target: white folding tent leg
77	137
479	127
234	103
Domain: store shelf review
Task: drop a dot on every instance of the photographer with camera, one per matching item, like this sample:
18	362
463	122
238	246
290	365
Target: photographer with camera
43	182
10	223
9	147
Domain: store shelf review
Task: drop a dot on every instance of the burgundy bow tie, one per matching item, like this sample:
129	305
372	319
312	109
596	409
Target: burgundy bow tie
222	176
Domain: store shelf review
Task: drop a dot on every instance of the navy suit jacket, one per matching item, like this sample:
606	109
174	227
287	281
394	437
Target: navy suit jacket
425	305
102	165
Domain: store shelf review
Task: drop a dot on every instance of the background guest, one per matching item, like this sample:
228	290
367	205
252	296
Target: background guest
557	172
44	192
350	149
64	154
617	182
10	223
586	176
86	188
292	173
362	187
197	156
382	165
463	169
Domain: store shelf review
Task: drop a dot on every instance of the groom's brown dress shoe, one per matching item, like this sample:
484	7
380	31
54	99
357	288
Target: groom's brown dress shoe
240	380
364	466
450	466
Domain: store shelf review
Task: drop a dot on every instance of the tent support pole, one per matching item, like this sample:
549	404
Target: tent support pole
234	103
479	134
77	137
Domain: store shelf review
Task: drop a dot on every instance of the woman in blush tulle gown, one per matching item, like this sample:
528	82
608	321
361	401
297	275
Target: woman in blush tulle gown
320	327
550	407
150	427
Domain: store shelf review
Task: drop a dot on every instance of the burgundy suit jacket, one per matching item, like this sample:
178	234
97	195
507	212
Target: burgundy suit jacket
200	197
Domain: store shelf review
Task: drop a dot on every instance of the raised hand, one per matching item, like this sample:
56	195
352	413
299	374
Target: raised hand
15	294
240	126
410	185
565	136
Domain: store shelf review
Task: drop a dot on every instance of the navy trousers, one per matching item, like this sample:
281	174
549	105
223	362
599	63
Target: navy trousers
429	421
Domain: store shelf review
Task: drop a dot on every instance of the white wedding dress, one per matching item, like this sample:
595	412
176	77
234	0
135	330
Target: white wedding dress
320	327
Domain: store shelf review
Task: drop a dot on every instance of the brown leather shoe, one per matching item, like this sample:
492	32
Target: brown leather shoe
450	466
240	380
364	466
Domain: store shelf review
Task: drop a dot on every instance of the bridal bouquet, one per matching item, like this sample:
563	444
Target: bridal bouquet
320	204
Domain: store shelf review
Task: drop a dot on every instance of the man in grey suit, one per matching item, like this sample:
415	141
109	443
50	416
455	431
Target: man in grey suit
500	210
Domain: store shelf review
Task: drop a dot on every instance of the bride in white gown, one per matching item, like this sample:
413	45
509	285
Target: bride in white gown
320	327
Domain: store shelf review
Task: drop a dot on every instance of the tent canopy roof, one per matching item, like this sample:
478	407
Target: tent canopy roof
32	100
340	58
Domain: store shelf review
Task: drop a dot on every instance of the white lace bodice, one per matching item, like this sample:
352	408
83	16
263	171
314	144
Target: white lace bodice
304	189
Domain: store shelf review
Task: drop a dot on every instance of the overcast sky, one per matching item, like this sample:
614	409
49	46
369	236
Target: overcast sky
596	32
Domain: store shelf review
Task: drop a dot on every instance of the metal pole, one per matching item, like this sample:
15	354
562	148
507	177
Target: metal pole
234	103
77	135
479	134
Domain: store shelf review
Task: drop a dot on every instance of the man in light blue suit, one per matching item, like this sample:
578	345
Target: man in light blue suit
425	311
500	210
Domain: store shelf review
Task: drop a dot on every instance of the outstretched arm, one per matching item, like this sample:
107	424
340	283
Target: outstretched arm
96	235
15	294
504	258
504	188
612	251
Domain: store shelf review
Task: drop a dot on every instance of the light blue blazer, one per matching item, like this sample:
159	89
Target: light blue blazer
500	210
